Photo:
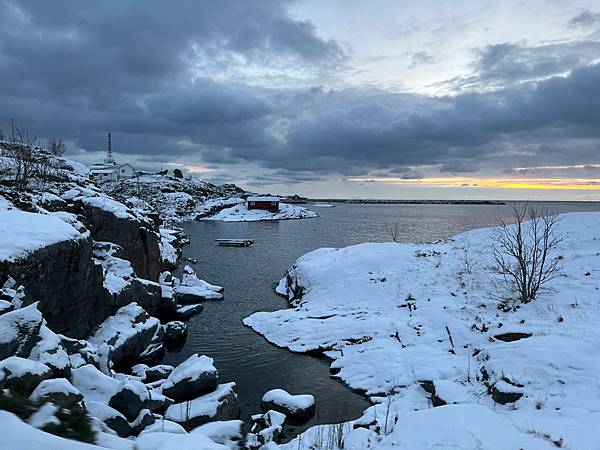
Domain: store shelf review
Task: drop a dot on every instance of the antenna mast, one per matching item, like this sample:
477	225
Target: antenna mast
109	154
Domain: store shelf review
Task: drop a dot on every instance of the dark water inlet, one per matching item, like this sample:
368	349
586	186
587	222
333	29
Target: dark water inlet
250	274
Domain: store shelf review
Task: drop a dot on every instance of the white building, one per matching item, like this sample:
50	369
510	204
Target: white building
115	172
109	170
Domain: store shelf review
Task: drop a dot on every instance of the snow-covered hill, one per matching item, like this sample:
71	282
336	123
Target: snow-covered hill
419	330
176	199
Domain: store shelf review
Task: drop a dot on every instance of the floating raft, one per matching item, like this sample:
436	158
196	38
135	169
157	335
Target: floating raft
235	242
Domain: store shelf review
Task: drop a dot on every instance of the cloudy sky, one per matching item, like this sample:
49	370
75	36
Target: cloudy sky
340	98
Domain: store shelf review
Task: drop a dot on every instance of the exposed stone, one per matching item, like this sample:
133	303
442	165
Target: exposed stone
23	375
175	331
295	407
193	377
138	239
20	331
67	283
222	404
511	337
58	391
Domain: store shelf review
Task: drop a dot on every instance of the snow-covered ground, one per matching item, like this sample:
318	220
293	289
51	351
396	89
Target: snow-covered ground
240	213
419	325
24	232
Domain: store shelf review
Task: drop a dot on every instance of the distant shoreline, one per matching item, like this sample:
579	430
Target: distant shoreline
408	202
438	202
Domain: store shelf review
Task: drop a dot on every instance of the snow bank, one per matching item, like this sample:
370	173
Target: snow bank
23	232
413	327
16	434
109	205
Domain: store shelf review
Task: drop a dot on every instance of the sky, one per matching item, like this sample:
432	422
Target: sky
326	98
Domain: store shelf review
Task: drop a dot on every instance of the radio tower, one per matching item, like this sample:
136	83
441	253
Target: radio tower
109	154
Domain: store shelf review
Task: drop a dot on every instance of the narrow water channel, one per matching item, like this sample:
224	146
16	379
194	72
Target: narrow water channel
249	276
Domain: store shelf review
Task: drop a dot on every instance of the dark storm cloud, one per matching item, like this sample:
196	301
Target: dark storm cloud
585	19
500	65
146	71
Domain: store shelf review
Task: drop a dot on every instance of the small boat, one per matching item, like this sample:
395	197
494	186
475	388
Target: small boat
235	242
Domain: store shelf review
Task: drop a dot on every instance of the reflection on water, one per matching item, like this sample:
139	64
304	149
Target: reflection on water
249	276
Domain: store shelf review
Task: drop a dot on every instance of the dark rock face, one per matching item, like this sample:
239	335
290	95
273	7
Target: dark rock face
127	402
139	240
177	173
67	284
147	295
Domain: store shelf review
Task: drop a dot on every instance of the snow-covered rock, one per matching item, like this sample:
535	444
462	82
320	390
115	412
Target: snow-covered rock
19	331
174	441
192	289
298	407
195	376
240	213
175	331
266	428
50	351
222	404
23	375
186	311
22	233
58	391
151	374
129	333
18	435
164	426
413	327
226	432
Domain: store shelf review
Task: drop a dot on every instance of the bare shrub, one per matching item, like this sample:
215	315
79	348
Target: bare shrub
522	251
395	230
56	146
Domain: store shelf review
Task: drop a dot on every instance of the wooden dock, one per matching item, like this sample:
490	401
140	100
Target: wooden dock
235	242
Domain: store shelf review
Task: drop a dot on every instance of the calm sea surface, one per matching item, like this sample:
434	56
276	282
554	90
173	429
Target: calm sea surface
249	276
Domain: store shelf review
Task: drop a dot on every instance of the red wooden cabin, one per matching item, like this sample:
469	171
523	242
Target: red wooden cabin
266	203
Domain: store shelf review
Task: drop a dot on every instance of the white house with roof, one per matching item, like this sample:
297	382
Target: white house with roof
109	170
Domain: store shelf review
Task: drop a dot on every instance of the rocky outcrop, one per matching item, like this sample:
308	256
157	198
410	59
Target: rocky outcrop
139	239
67	283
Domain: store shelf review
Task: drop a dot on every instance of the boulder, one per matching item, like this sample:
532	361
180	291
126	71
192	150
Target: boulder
295	407
164	426
187	311
222	404
58	391
195	376
175	331
23	375
152	374
265	428
191	289
19	331
144	419
112	418
130	333
49	350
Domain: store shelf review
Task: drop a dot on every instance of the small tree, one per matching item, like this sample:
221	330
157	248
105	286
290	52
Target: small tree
56	146
522	250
